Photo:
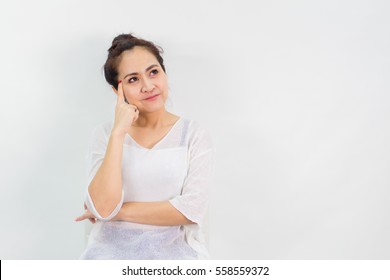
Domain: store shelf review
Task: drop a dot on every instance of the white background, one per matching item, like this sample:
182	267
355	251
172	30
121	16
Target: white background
294	93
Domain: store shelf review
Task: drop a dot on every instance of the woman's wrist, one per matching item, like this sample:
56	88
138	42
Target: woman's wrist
118	133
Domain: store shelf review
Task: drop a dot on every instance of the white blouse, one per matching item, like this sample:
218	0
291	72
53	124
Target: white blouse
177	169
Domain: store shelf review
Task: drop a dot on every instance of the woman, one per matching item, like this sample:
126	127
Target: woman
149	170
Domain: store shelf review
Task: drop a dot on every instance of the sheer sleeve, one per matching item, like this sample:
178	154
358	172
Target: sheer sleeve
194	198
96	151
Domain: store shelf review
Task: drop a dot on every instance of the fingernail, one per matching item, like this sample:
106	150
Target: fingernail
119	82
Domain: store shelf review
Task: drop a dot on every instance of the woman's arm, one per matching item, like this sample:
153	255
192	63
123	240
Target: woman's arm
105	188
152	213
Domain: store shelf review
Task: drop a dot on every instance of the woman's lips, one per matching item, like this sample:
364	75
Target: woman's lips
152	97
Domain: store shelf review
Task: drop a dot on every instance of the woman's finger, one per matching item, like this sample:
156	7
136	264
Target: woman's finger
136	114
86	215
121	96
80	218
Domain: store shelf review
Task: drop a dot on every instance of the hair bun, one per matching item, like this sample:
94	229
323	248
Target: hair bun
121	40
123	37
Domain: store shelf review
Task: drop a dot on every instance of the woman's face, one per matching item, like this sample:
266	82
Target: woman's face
144	81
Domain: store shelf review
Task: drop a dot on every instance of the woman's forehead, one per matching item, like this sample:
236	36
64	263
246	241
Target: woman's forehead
136	60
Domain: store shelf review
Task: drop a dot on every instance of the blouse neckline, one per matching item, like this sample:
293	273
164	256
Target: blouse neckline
160	141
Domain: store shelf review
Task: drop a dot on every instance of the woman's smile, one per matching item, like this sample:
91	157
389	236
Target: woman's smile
153	97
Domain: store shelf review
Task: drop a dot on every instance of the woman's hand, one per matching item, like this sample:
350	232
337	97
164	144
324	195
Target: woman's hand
125	114
87	215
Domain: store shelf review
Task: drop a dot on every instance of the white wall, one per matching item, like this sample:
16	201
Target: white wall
295	93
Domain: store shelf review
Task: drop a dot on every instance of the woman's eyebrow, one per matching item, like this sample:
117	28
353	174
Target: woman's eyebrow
146	70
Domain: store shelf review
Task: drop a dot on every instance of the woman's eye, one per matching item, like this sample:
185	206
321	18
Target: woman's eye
132	80
154	72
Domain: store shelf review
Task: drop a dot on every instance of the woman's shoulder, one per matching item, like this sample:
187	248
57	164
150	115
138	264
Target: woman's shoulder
102	130
196	127
198	133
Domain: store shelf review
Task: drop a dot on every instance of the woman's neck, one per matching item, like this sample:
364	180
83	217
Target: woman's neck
155	120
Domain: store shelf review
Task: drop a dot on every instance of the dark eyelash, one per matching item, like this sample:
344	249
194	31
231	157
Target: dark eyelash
154	71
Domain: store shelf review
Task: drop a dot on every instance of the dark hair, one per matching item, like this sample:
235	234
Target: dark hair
121	43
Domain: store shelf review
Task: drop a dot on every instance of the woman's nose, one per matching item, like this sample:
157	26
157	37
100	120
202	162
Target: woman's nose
147	85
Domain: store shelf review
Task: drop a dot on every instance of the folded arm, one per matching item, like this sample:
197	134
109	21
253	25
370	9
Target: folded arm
160	213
